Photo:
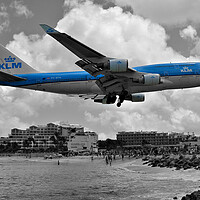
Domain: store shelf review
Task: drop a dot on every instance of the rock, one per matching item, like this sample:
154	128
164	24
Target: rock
179	163
193	196
146	158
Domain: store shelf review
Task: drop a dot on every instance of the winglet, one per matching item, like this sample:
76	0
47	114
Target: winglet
48	29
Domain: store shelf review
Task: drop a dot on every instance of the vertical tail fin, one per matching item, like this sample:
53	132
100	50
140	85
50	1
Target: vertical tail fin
11	64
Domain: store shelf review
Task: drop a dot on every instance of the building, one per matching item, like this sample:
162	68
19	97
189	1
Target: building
38	135
66	129
138	138
83	141
4	141
42	136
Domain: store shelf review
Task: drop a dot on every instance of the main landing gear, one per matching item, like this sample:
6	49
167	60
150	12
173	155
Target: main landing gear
120	101
121	98
111	98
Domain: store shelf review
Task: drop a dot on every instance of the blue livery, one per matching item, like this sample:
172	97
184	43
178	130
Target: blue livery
105	80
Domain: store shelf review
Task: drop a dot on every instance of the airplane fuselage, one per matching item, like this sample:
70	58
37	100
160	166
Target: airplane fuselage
173	76
105	79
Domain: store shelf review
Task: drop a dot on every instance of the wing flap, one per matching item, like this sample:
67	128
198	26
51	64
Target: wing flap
88	96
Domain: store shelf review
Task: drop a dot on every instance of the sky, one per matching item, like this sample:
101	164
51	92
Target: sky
144	32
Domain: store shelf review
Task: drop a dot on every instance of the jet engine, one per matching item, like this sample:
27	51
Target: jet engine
135	97
117	65
151	79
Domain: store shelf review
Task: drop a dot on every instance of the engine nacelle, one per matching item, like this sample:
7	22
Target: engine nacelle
151	79
118	65
136	98
105	99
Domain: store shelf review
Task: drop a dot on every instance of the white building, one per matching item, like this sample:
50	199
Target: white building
41	135
83	141
66	129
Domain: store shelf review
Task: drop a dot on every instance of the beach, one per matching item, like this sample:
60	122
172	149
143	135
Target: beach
79	178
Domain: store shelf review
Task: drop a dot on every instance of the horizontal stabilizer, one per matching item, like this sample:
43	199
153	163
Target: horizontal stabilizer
9	78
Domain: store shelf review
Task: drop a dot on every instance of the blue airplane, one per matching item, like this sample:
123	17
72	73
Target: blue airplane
105	80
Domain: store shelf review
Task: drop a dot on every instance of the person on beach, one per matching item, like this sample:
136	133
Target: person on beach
114	156
106	158
122	156
110	159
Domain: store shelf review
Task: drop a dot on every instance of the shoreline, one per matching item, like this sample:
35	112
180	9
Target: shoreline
73	159
130	165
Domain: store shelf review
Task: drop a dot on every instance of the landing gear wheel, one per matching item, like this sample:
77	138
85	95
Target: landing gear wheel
119	104
121	98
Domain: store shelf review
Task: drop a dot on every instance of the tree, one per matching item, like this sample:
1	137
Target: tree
15	147
31	141
145	142
108	144
54	140
58	141
8	147
44	143
25	143
2	148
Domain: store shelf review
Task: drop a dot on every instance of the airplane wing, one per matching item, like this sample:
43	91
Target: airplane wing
116	72
79	49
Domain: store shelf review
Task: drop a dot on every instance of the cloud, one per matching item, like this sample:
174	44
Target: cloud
18	105
21	9
163	111
42	53
114	33
4	18
68	4
119	37
196	49
179	12
188	33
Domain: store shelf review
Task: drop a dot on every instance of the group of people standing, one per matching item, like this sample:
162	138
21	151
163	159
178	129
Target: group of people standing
109	159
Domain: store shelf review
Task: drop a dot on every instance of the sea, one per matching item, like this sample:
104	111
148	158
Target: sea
80	178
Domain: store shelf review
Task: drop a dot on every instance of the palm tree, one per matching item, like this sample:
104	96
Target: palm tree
61	143
25	143
31	141
15	146
44	143
8	147
54	140
58	140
